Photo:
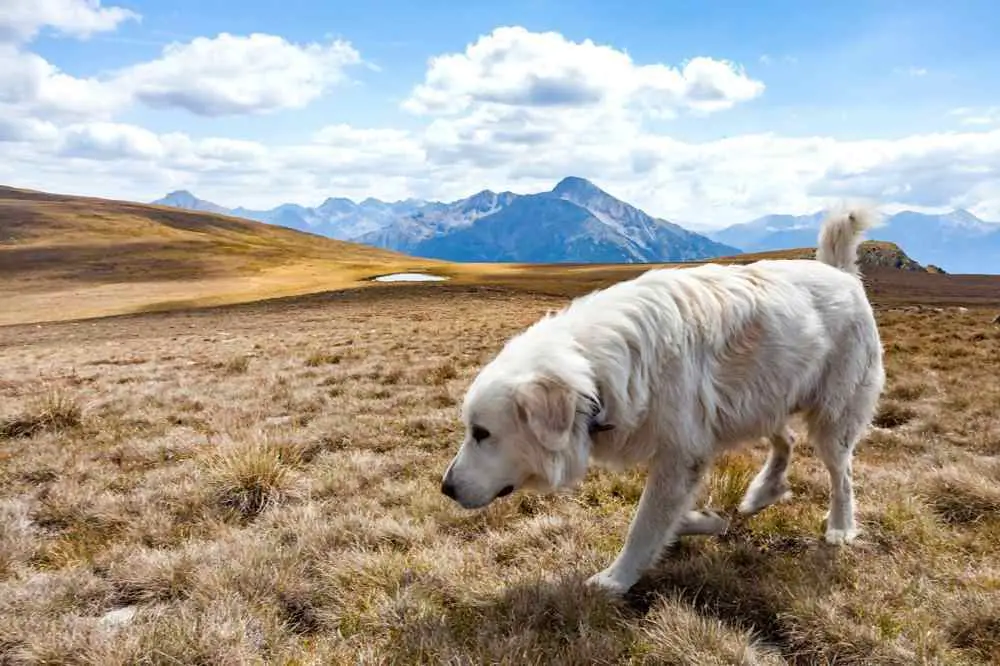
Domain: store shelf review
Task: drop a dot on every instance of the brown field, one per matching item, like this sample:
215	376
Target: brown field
259	484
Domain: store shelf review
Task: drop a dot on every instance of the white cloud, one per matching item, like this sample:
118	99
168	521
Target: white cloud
226	75
14	129
31	86
514	67
21	20
232	74
343	136
342	151
110	141
708	184
978	116
516	110
528	104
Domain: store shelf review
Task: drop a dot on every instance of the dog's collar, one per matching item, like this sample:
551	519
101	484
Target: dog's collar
596	418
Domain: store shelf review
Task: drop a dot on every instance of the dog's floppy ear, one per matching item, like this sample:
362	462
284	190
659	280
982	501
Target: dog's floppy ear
548	408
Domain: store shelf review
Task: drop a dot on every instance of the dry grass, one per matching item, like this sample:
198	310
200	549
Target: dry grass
64	258
52	410
259	484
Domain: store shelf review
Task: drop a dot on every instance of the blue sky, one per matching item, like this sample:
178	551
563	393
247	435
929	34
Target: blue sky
880	80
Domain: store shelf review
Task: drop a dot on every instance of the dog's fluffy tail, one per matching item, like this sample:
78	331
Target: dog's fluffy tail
840	236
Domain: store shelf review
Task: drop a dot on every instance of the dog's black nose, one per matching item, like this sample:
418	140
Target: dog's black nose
448	488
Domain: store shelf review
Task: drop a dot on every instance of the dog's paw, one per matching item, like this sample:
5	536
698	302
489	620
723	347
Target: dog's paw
608	584
841	537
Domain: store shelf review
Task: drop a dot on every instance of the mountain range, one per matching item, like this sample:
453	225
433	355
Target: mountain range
958	242
574	222
577	221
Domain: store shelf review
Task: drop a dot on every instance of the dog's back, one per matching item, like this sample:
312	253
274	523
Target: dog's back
768	338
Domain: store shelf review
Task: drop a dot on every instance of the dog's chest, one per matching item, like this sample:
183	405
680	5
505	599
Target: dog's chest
616	450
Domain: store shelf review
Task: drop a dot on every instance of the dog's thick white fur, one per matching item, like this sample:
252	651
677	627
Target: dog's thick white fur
678	365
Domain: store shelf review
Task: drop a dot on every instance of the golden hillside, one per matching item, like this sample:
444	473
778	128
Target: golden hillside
64	257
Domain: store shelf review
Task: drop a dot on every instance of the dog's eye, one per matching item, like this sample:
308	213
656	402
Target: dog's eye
479	433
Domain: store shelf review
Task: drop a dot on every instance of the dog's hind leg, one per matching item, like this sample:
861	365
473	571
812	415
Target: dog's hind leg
834	444
771	483
836	424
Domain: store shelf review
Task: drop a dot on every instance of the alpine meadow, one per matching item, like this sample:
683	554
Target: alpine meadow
523	333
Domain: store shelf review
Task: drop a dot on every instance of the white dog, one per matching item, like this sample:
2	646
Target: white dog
670	369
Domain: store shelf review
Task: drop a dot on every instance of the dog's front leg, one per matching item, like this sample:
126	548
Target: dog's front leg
665	501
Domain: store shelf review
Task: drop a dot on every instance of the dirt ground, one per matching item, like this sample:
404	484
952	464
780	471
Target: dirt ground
259	484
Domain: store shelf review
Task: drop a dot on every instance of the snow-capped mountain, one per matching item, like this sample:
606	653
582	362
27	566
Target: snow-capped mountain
187	201
436	219
337	218
575	221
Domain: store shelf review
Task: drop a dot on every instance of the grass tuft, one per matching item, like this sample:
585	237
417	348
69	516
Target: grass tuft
52	410
441	374
249	476
892	414
960	498
677	634
237	365
728	480
319	358
977	630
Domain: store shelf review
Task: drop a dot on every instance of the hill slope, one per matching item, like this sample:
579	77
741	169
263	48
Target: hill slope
95	256
958	241
872	255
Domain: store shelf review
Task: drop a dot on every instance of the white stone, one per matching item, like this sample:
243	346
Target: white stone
119	616
410	277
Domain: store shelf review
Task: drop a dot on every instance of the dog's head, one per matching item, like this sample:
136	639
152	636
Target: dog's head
523	431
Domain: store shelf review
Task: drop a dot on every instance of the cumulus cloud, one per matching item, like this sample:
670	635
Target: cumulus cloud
707	183
26	130
109	141
126	144
528	102
232	74
21	20
32	87
515	110
515	67
927	170
343	136
225	75
347	151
